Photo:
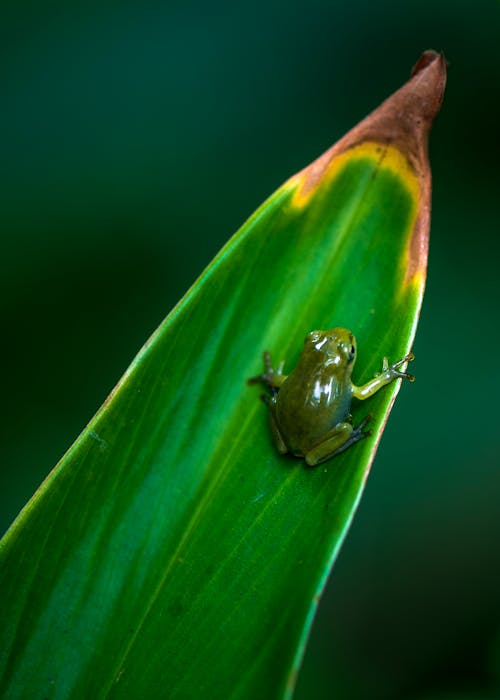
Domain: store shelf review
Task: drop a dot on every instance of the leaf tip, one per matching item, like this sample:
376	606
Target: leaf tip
402	121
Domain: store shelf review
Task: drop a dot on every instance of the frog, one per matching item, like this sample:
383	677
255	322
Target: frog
310	408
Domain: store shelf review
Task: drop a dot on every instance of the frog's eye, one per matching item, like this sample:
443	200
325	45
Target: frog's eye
352	353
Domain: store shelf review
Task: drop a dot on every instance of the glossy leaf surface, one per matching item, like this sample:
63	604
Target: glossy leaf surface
172	552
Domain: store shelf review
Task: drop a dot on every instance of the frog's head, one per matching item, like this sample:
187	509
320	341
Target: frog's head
338	345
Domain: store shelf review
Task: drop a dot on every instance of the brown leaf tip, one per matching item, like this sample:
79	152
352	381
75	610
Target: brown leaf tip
431	69
405	118
425	60
402	121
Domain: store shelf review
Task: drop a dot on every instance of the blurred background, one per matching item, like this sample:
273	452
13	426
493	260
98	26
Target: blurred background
135	138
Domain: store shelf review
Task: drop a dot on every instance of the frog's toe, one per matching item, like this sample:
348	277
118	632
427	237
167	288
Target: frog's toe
268	364
404	375
396	374
407	358
363	423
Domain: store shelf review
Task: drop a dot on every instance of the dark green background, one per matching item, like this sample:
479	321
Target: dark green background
135	137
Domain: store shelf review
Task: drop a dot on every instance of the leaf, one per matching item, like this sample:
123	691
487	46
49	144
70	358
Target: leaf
172	552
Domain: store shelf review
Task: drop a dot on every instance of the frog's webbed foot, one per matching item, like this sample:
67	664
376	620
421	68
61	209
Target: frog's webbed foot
392	370
272	378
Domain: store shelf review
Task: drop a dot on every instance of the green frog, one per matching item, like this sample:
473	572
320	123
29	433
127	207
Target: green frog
309	410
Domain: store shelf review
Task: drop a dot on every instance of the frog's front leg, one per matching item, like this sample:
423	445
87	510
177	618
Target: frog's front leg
389	374
338	439
272	378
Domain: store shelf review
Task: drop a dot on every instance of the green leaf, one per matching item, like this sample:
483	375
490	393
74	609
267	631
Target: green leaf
172	552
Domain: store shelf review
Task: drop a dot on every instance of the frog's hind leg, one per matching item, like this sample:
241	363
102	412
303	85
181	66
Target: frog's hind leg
275	431
336	441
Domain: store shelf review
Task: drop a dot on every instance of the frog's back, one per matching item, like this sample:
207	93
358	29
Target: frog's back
310	404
